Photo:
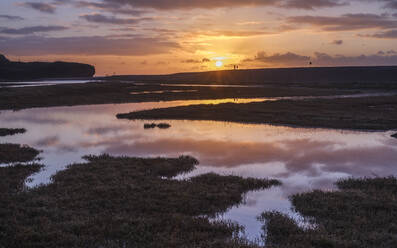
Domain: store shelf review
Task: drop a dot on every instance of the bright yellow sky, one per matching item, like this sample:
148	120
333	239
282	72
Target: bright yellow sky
166	36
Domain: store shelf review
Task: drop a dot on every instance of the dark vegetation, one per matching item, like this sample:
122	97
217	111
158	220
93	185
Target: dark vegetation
154	125
362	214
371	113
12	182
41	70
11	131
13	153
149	125
316	75
163	125
119	92
123	202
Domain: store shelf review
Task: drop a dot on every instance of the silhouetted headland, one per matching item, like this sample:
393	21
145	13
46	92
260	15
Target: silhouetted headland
42	70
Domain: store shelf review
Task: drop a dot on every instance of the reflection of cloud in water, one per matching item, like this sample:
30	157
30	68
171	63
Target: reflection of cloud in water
299	156
105	130
302	158
54	142
48	141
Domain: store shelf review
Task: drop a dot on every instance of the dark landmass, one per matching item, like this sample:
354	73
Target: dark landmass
149	126
121	202
362	214
19	71
13	153
154	125
370	113
317	75
11	131
394	135
163	125
117	92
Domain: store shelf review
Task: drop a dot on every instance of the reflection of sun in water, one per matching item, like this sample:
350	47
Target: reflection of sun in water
219	63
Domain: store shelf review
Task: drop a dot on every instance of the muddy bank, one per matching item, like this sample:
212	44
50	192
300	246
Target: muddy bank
369	113
117	92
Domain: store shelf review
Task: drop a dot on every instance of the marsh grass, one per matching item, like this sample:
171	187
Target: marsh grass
362	214
126	202
163	125
368	113
154	125
14	153
11	131
149	125
13	178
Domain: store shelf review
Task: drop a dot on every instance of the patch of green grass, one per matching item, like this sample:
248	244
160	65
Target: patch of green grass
13	153
11	131
362	214
126	202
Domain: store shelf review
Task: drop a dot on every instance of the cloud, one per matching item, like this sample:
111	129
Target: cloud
31	30
323	59
87	45
391	4
312	4
114	8
42	7
98	18
337	42
346	22
11	18
192	4
390	34
196	61
360	60
211	4
280	59
232	33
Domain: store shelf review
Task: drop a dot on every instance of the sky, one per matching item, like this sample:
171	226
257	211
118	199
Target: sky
167	36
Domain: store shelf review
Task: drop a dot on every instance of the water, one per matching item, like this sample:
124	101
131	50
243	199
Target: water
302	158
44	83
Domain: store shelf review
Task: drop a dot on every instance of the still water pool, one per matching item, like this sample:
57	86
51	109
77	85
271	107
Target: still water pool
302	158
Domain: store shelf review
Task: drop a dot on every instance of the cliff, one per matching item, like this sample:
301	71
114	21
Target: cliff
41	70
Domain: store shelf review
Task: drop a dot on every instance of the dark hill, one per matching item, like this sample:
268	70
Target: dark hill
42	70
380	74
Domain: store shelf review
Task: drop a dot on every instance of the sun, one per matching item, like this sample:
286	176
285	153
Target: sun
219	63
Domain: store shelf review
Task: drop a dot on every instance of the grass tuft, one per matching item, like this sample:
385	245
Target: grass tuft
362	214
13	153
11	131
126	202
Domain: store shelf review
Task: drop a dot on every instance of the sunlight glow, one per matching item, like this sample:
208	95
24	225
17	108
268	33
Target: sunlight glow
219	64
